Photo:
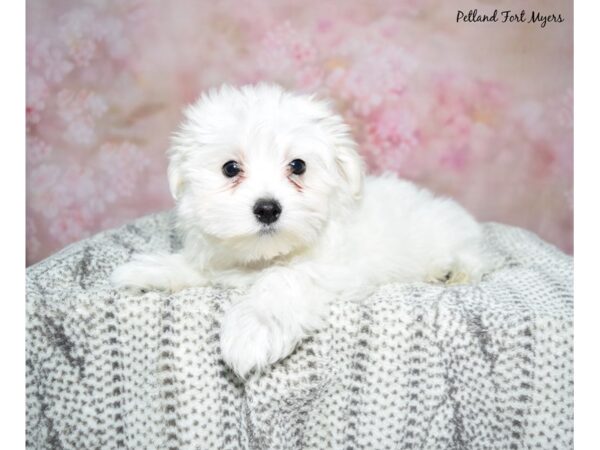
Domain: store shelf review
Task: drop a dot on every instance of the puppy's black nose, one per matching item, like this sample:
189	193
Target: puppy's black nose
267	210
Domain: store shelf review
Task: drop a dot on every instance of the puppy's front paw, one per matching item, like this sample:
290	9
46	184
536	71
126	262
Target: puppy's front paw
134	277
253	339
163	272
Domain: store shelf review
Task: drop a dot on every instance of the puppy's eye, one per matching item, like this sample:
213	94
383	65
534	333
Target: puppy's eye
298	167
231	169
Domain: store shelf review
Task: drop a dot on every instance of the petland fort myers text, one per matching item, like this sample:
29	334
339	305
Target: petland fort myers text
509	16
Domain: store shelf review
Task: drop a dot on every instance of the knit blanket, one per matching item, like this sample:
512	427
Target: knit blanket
415	366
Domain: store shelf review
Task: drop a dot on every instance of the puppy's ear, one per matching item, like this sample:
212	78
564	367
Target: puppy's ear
175	179
351	168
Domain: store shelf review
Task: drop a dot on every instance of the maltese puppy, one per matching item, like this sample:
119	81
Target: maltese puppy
272	198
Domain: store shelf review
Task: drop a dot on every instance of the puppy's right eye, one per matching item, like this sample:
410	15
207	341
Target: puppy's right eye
231	169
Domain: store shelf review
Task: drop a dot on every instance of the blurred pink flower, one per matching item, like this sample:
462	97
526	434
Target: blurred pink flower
120	167
80	131
73	104
310	78
45	181
391	140
36	93
76	31
286	54
79	111
283	44
529	117
562	106
460	100
37	150
111	32
43	177
68	227
374	76
393	129
455	158
48	60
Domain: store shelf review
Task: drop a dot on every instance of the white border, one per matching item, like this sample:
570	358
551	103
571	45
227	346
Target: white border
12	235
587	224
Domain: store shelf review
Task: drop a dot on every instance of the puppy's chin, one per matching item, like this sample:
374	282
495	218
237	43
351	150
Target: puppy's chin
266	244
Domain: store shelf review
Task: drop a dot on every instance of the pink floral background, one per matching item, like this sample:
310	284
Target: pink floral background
480	112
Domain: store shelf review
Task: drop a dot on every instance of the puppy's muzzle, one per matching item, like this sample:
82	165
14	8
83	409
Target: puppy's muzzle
267	211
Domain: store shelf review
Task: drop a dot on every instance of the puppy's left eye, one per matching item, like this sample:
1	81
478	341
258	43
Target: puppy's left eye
230	169
298	167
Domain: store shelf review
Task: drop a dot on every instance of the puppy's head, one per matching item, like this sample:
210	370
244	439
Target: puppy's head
260	171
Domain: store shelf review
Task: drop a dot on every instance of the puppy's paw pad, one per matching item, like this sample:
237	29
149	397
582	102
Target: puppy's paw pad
457	277
450	278
439	277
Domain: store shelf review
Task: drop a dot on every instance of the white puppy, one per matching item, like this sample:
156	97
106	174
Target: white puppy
271	197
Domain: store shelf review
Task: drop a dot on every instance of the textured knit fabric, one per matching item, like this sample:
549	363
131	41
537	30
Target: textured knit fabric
415	366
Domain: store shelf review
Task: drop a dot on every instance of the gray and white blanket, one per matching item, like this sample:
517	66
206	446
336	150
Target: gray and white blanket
416	366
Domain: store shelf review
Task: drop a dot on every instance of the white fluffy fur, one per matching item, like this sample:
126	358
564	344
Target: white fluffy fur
339	234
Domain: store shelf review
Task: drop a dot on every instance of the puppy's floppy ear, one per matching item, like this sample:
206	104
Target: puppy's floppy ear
351	168
175	179
349	164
